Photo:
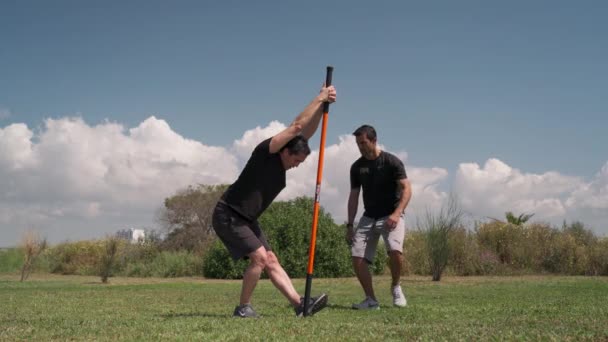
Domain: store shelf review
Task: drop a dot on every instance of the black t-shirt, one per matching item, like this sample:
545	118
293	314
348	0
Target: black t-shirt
379	179
260	182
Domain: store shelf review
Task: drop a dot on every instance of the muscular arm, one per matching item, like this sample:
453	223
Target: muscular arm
307	122
353	204
310	117
406	195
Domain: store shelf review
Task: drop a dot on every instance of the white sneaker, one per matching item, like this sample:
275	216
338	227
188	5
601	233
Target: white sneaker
398	297
367	304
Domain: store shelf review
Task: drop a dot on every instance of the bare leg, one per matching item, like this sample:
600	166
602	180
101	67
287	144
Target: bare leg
258	259
365	278
395	265
281	280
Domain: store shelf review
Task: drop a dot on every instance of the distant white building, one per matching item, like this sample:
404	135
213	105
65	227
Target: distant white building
132	235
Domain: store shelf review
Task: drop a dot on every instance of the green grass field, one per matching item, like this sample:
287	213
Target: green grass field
535	308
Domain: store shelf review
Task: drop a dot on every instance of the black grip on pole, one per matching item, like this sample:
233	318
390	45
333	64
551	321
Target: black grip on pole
330	70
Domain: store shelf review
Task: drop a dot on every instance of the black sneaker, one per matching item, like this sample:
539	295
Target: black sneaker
315	305
245	311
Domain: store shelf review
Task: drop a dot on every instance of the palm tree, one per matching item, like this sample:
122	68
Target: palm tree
519	220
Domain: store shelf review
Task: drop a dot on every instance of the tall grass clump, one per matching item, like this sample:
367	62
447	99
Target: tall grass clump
437	228
33	245
107	259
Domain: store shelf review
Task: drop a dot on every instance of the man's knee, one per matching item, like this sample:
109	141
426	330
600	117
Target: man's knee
259	258
395	254
359	262
271	260
395	257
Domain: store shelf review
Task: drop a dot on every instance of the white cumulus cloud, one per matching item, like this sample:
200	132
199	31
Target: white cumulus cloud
495	188
243	147
70	172
71	180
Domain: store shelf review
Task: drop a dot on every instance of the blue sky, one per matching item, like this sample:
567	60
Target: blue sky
444	82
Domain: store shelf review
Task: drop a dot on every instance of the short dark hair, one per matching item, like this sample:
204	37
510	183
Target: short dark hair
368	130
297	145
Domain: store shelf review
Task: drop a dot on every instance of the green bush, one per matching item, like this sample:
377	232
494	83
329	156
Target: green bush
538	240
138	269
415	253
148	262
488	262
80	258
145	252
287	226
136	260
505	240
582	235
177	264
381	261
465	256
494	248
218	264
538	248
499	248
567	257
598	258
11	260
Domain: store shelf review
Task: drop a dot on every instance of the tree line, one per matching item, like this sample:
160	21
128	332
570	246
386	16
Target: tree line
440	243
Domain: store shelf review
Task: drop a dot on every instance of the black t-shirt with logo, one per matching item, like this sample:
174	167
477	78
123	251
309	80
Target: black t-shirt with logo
379	179
260	182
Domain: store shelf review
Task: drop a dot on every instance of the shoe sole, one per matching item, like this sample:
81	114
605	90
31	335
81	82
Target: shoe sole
238	314
245	316
319	304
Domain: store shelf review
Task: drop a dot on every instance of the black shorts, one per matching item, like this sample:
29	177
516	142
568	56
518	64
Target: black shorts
239	235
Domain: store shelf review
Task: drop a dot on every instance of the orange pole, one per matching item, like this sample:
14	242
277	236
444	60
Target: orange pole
315	214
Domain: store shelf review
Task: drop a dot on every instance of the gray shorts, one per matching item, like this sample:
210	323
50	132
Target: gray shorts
368	233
